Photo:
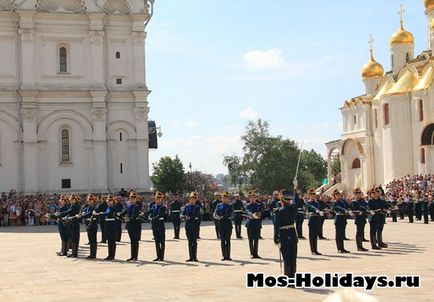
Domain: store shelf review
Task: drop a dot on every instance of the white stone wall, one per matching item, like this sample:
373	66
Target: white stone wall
103	93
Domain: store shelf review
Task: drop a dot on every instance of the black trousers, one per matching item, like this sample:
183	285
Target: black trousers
192	233
360	234
299	224
314	230
159	232
92	231
103	231
176	221
288	248
133	233
225	241
320	231
373	230
216	227
253	232
118	230
238	220
75	237
110	227
340	226
410	214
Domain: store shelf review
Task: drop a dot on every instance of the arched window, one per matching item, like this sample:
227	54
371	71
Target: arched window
355	119
63	60
428	135
407	57
65	146
422	155
118	55
386	114
420	110
120	136
355	164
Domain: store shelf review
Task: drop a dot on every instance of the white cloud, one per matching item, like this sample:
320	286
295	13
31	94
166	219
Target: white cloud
264	59
193	124
249	113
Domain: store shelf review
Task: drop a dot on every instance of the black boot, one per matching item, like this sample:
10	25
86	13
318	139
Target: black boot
75	250
92	248
190	252
380	241
195	252
157	250
223	247
228	251
136	252
252	251
110	250
132	251
315	242
256	248
162	248
374	243
63	251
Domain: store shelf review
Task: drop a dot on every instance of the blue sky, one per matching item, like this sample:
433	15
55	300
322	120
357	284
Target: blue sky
214	64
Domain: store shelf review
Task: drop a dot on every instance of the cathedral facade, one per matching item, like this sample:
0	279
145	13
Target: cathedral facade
388	132
73	95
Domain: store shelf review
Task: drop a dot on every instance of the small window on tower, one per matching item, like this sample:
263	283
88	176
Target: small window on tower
120	136
407	57
422	156
420	110
119	81
118	55
376	118
355	119
63	60
386	114
355	164
121	168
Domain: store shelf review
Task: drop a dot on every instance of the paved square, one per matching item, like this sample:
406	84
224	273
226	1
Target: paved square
31	271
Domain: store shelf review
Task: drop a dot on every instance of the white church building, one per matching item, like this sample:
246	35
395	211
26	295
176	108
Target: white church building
388	132
73	95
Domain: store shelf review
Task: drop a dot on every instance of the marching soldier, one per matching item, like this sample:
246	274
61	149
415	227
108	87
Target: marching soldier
314	223
374	207
102	207
384	209
119	208
341	208
61	225
426	209
214	205
274	204
298	199
285	234
156	215
191	213
223	213
410	208
131	214
175	211
254	211
72	217
360	208
322	207
238	214
91	225
109	216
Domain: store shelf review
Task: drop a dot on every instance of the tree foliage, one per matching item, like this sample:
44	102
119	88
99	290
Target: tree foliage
169	175
270	163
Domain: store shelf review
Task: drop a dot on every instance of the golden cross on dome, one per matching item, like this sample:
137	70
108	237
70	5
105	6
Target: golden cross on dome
371	44
401	14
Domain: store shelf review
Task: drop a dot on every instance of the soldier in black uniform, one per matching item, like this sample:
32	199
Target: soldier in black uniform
285	234
109	216
131	215
156	215
175	211
431	208
91	224
426	209
374	206
238	214
312	206
223	213
200	205
214	205
61	225
383	212
300	214
254	211
191	214
119	208
72	218
101	208
360	209
140	204
341	208
410	208
323	208
418	206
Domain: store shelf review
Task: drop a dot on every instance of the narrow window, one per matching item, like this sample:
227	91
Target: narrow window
63	62
355	164
407	57
420	110
118	55
120	136
376	118
355	119
118	81
386	114
65	146
121	168
422	155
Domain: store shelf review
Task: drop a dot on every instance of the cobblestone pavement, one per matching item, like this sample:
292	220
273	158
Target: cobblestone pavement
31	271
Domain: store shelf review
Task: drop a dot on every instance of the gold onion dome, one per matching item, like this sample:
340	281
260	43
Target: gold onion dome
429	4
372	68
402	36
432	24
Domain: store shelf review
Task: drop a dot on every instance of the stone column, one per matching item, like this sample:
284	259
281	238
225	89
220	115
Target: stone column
27	57
96	39
138	36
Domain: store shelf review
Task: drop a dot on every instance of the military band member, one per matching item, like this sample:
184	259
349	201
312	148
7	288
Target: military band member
238	214
360	209
191	213
119	208
156	215
224	213
341	208
72	215
254	211
285	234
132	219
312	206
175	211
109	218
91	224
298	199
274	204
214	205
374	218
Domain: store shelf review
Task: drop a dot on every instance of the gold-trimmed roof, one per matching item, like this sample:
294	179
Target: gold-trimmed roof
427	78
405	84
383	90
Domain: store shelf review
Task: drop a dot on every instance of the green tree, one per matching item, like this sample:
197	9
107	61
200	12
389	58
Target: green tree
336	166
236	170
198	181
169	175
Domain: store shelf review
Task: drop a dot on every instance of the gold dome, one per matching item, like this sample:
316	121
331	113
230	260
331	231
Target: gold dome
402	36
432	24
429	4
372	69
